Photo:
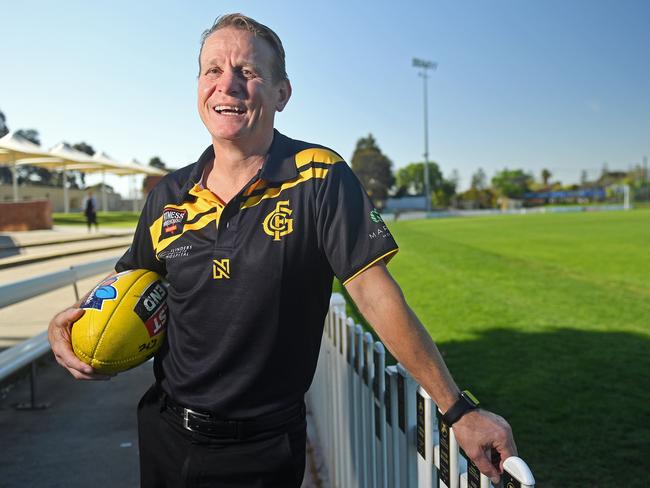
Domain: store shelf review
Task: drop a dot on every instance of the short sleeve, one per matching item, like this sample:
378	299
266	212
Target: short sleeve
141	254
351	232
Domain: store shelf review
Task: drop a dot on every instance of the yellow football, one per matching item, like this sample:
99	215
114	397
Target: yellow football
124	321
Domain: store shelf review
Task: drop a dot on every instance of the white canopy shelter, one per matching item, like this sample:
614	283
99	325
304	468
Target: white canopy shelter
66	158
14	147
15	151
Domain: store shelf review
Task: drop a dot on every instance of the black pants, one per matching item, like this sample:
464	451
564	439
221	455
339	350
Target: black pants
171	456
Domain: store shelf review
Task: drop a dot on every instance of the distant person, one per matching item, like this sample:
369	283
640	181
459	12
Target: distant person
90	211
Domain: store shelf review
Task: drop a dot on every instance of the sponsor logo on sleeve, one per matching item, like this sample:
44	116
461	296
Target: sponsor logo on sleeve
152	308
103	291
380	231
173	221
375	216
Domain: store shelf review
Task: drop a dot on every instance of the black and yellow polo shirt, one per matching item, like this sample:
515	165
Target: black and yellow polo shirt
250	280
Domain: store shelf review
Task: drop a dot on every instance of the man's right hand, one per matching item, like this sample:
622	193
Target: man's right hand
59	333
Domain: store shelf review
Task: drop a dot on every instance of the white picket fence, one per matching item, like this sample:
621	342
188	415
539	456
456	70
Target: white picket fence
377	427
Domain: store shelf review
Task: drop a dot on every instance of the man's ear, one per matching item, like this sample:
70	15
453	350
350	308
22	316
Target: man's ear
284	93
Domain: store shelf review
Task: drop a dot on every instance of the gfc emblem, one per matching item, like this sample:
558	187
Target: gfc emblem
277	223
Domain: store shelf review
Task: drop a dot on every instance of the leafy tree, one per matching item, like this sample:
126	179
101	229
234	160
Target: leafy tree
546	175
3	125
411	178
156	162
479	180
442	196
86	149
373	168
512	183
477	198
5	172
29	174
30	134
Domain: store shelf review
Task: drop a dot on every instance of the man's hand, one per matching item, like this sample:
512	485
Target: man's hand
481	433
59	335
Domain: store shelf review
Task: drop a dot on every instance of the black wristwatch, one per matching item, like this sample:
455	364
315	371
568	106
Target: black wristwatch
465	403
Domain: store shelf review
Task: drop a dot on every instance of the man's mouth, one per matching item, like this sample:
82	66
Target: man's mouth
229	110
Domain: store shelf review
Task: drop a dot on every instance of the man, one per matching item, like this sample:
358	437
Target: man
249	238
90	211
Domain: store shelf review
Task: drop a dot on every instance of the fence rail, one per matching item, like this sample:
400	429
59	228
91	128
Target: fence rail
27	352
378	427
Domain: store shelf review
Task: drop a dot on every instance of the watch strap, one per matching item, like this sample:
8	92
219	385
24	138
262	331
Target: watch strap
466	402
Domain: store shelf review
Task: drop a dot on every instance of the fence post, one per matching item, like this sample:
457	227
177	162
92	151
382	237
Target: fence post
346	439
368	406
352	404
406	421
424	439
362	454
392	429
379	391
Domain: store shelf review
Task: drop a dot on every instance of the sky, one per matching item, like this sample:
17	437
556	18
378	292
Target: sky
556	84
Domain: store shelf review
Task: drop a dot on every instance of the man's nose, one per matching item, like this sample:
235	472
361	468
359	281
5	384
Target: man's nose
229	82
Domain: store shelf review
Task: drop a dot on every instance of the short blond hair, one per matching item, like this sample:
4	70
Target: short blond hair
241	21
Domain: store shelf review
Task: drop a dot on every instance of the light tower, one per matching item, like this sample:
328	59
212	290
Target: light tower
424	66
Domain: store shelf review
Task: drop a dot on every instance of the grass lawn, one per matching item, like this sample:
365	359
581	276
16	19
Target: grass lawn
105	219
546	318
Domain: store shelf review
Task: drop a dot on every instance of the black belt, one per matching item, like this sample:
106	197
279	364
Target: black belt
208	424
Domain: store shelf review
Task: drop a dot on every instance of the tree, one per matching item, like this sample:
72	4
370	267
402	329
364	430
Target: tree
4	130
5	172
410	178
479	180
373	168
546	175
29	174
512	183
86	149
156	162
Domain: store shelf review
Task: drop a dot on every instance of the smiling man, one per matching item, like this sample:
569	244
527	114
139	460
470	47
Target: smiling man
249	238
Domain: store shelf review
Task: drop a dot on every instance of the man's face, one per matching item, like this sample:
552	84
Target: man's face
237	96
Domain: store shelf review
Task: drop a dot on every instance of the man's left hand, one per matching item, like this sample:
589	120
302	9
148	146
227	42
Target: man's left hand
479	432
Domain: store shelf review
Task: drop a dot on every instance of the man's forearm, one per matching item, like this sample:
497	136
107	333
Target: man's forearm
384	307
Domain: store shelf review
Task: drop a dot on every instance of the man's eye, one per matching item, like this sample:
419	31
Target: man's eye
212	71
247	73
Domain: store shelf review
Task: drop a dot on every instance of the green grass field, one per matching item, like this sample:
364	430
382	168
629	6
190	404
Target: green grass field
105	219
546	318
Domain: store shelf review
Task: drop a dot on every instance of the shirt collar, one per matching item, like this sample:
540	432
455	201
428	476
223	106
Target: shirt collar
278	166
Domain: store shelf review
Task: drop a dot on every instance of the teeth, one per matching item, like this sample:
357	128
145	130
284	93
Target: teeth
228	109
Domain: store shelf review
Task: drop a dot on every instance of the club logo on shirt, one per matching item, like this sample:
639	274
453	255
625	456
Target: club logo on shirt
173	221
277	223
221	269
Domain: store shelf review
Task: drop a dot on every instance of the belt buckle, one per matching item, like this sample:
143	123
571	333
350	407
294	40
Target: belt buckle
186	417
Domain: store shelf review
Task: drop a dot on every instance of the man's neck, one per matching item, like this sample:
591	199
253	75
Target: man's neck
234	165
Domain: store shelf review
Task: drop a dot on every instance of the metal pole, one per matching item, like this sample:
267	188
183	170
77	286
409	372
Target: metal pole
425	65
427	190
